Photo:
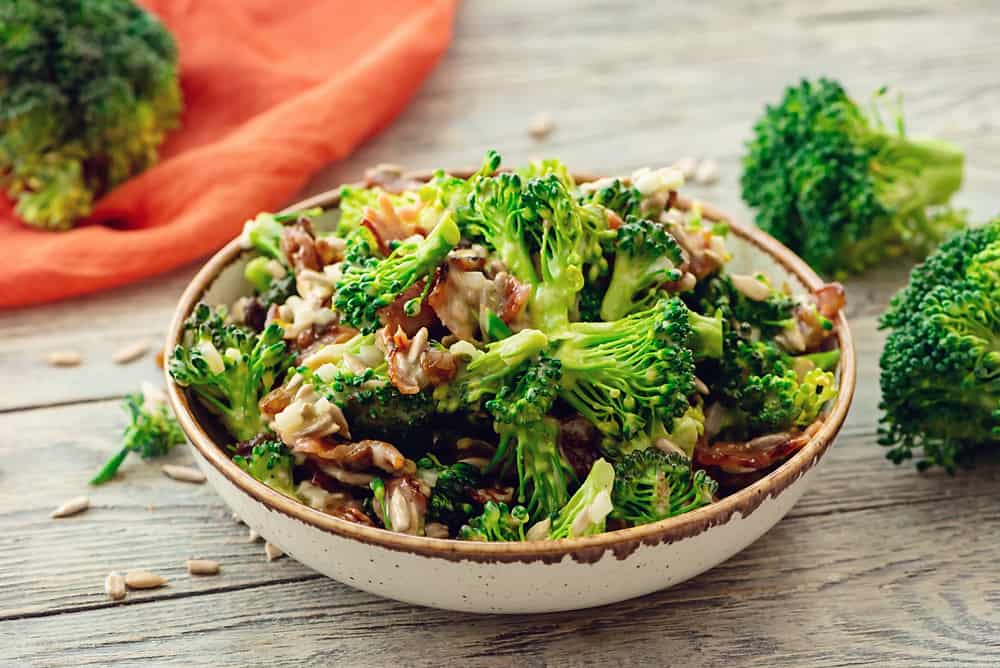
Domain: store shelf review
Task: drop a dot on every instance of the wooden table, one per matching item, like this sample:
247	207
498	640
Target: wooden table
875	564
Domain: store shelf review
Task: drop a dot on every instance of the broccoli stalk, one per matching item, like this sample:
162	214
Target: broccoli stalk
229	368
840	188
368	287
940	365
89	91
646	257
271	463
498	522
625	374
587	510
152	431
651	485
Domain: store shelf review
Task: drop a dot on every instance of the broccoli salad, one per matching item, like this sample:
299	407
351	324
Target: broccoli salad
510	356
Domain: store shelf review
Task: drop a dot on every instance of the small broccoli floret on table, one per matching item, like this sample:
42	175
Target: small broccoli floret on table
152	431
368	287
840	188
651	485
229	368
89	91
646	257
271	463
497	523
586	513
940	365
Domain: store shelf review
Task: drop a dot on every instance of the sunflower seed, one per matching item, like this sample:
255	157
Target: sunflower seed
541	126
64	358
183	473
143	580
131	353
707	172
71	507
202	567
273	551
114	586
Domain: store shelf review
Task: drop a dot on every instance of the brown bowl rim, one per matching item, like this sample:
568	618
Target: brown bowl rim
623	541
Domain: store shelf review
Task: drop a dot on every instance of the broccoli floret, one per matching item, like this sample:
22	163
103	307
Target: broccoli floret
767	317
496	216
624	200
229	368
646	257
841	189
498	522
586	512
152	431
530	396
450	502
263	234
88	91
271	463
366	288
651	485
940	366
622	375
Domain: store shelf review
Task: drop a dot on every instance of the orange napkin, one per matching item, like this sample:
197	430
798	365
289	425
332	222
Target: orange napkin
272	92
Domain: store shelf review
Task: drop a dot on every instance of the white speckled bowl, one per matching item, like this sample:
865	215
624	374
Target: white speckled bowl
513	577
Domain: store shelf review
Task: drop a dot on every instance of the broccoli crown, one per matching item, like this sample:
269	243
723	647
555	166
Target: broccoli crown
587	510
651	485
529	397
622	375
88	91
450	502
152	431
841	189
744	315
940	366
495	216
229	368
271	463
369	286
624	200
646	257
497	523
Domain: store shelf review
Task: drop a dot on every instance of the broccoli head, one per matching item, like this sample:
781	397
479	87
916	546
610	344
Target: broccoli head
229	368
450	502
651	485
271	463
587	510
767	317
940	366
624	200
152	431
497	523
369	286
841	189
646	257
88	91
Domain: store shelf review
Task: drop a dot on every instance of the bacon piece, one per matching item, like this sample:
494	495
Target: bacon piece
458	298
496	494
385	223
403	357
578	441
394	317
754	455
298	243
357	456
440	366
513	296
830	299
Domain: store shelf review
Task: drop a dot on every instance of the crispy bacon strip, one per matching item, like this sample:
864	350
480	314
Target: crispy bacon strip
394	317
513	296
298	243
386	224
357	456
754	455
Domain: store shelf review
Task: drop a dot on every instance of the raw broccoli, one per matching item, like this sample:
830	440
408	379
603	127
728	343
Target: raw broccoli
646	257
530	396
366	288
229	368
622	375
450	502
768	317
841	189
354	201
623	199
152	431
498	522
263	234
651	485
88	91
496	216
271	463
940	366
586	512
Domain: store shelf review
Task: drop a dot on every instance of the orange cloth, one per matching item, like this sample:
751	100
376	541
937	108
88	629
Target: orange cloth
272	92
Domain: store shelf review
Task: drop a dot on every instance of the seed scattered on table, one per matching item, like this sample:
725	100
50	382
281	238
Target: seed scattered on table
707	173
114	586
72	507
143	580
273	552
687	166
64	358
541	126
202	567
183	473
131	352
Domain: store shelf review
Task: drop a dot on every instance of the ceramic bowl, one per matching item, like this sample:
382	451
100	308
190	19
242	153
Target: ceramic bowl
512	577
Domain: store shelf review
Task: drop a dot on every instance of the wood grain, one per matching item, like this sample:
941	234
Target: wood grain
876	564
